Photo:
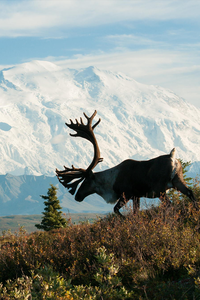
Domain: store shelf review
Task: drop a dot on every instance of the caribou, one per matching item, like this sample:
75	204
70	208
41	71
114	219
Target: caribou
131	179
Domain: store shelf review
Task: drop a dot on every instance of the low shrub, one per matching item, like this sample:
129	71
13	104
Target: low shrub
154	254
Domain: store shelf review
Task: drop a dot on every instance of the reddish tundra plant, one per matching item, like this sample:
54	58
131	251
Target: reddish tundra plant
154	254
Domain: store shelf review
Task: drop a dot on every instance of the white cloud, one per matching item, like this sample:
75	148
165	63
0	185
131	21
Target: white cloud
177	70
127	40
38	18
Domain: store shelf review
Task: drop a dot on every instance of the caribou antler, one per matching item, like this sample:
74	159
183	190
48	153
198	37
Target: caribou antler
86	132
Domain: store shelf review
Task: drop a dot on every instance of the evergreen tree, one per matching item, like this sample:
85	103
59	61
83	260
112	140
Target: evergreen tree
184	166
52	218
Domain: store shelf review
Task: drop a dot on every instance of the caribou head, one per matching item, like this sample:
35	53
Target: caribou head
130	179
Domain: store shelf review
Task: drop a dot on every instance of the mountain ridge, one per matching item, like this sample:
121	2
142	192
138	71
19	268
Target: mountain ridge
138	121
20	195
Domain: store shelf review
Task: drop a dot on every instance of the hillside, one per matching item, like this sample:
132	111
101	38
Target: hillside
154	254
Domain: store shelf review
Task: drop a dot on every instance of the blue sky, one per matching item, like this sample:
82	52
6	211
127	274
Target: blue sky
154	42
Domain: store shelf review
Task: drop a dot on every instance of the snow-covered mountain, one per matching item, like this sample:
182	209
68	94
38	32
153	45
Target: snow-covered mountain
138	121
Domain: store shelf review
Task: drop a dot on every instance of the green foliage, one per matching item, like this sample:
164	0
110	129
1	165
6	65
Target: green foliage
45	283
185	165
154	254
52	218
109	283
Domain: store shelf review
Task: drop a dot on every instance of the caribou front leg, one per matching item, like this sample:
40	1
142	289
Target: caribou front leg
121	202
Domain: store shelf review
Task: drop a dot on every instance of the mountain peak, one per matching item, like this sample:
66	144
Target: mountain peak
138	121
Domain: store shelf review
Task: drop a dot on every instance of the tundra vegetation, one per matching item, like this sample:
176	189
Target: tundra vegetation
153	254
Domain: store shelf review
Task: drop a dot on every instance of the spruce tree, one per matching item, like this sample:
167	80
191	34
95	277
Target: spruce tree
184	166
52	218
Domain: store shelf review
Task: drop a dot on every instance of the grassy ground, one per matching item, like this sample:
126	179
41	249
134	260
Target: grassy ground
14	222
